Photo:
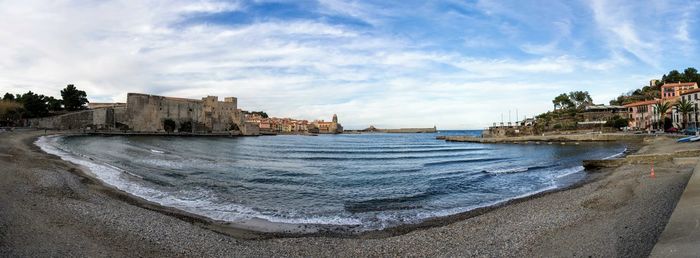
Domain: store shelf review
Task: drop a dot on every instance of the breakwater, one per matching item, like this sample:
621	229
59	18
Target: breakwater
373	129
546	138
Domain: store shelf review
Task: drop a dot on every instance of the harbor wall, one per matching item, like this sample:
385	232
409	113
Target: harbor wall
546	138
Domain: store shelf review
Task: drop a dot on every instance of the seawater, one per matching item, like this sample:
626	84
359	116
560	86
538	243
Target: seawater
362	181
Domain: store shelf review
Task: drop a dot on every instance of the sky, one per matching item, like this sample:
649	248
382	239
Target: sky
452	64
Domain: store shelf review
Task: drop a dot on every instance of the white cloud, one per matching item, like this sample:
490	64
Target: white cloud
300	68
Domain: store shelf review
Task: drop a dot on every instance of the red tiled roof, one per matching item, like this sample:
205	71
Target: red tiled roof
641	103
690	91
675	84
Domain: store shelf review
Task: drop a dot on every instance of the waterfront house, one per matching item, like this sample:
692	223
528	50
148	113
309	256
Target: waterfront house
693	96
640	114
675	90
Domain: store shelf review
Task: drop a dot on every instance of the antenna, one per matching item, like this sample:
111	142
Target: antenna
509	120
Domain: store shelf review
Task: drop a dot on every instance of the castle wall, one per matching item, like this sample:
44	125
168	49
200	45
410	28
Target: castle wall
71	121
250	129
147	113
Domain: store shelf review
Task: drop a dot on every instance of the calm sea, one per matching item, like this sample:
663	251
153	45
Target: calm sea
363	181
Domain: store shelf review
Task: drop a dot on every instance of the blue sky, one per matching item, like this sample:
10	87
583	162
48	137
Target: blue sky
454	64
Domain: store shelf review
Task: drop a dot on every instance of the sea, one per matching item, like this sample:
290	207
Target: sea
361	182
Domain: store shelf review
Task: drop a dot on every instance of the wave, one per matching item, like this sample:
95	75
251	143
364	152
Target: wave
421	216
385	204
616	155
570	171
157	151
373	158
399	151
449	162
511	170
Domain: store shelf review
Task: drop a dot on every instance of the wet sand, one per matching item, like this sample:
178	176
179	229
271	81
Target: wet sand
50	208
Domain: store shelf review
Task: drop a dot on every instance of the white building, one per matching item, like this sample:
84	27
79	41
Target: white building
694	97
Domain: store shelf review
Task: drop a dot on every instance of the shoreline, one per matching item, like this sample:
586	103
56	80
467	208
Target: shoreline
258	228
553	222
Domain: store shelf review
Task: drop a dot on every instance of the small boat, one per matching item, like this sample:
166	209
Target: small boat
685	139
695	139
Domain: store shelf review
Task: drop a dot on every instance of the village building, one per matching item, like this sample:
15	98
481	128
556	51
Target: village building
674	90
601	114
640	114
274	125
692	96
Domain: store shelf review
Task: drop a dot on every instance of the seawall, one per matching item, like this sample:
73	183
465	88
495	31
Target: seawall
547	138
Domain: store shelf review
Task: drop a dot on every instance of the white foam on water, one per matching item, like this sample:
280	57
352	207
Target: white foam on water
508	170
119	179
616	155
200	202
421	216
157	151
570	171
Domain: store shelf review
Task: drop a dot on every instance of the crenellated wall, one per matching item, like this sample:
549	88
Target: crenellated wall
147	113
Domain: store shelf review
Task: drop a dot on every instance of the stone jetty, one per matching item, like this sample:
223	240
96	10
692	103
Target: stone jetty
547	138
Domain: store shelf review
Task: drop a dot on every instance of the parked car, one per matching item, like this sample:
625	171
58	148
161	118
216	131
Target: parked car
690	131
672	130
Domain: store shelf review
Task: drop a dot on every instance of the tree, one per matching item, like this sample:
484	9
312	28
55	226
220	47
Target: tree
617	122
259	113
562	101
661	109
54	104
684	106
673	76
580	99
34	104
73	99
691	74
8	96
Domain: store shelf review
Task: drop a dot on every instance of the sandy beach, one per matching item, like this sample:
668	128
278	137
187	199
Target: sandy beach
48	207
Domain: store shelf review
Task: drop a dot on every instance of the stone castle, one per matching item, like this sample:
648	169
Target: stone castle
144	113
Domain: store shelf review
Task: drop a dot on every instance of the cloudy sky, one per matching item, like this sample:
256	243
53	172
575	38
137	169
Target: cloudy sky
454	64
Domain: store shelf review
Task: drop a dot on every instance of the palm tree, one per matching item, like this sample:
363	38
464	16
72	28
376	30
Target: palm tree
685	107
662	108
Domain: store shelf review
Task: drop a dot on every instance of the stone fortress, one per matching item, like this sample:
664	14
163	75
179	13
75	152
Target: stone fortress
150	114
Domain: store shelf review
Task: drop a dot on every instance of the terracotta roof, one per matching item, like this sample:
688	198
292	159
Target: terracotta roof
690	91
675	84
642	103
